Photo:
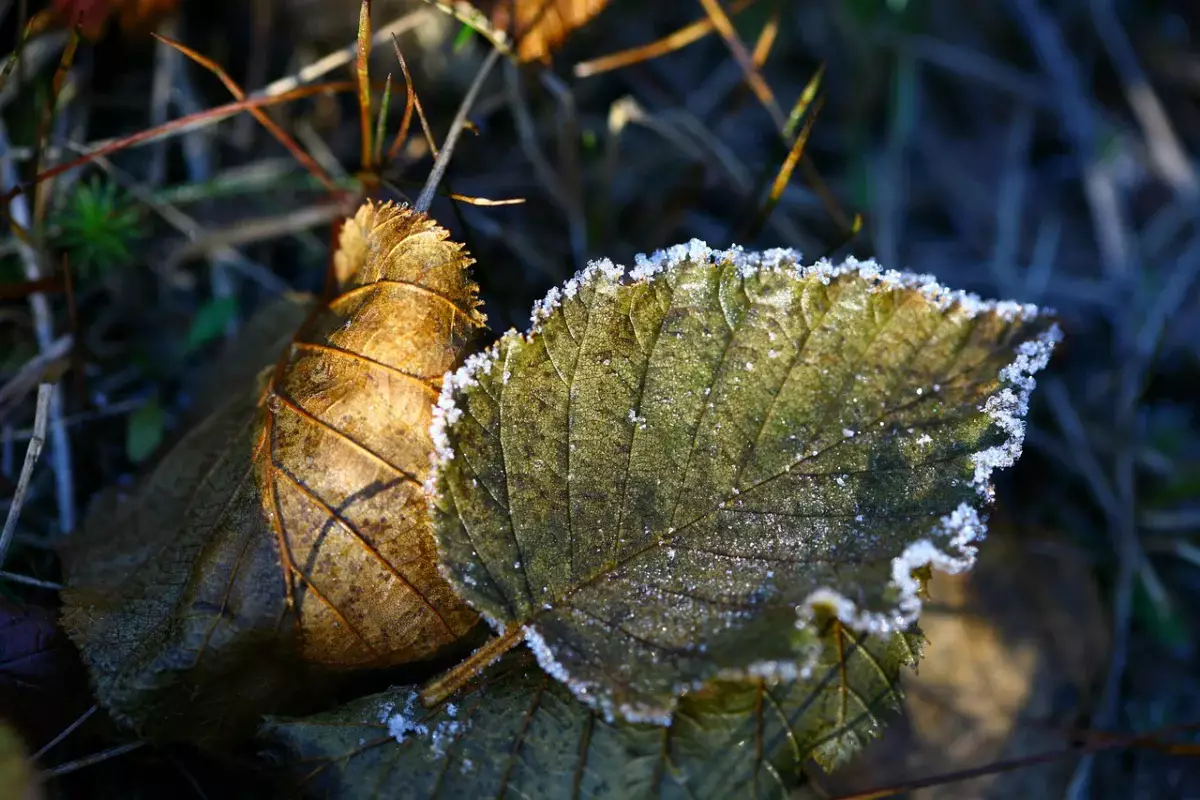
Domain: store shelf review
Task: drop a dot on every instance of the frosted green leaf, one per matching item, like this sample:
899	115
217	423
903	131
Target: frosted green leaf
663	479
520	733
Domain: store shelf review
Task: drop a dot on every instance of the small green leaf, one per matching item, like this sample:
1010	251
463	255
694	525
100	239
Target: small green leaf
665	479
145	430
464	35
1157	614
519	733
210	322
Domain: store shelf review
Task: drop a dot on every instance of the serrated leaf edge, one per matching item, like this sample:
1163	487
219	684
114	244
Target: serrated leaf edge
951	545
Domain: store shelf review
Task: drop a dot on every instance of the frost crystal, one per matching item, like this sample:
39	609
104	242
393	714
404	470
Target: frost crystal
401	723
405	725
446	412
1008	407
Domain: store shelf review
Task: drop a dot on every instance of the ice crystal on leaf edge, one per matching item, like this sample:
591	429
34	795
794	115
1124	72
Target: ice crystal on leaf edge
951	544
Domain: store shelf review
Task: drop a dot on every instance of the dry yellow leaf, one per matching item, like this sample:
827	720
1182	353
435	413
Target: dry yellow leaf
539	26
286	535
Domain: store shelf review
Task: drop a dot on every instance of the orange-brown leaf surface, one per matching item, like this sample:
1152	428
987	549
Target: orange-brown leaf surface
539	26
134	16
285	537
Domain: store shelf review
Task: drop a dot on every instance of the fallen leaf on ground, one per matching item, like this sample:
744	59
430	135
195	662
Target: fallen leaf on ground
42	684
286	536
659	483
520	733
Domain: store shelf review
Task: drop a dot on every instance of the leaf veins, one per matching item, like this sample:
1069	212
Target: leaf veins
287	533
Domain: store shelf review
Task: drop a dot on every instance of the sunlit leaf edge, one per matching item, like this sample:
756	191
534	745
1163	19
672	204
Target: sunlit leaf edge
950	546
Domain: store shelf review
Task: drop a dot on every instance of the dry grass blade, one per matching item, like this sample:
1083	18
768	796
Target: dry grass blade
380	123
176	126
410	103
456	128
1100	741
67	731
752	73
11	63
362	70
416	104
32	453
279	133
803	102
785	174
92	760
256	230
689	34
45	367
767	37
48	114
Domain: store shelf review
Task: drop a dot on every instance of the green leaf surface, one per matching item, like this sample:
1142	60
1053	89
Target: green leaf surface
210	322
520	733
144	431
674	468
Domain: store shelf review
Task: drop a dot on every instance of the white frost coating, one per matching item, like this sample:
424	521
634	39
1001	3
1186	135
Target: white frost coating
446	412
545	657
544	309
401	723
1008	407
748	263
589	693
406	724
960	530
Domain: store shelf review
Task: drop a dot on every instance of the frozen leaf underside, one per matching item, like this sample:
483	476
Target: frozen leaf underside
287	532
664	478
520	733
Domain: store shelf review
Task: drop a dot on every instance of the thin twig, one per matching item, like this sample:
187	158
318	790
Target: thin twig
1162	143
339	58
32	453
166	64
1080	447
48	746
95	758
456	127
745	61
30	581
33	372
39	305
1097	742
257	230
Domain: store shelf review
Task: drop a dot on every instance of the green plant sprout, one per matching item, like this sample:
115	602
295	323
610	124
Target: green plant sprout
97	227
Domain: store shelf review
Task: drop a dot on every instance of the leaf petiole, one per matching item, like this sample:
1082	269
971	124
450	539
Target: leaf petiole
445	685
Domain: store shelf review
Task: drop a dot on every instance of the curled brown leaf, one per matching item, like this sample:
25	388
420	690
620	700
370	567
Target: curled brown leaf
286	536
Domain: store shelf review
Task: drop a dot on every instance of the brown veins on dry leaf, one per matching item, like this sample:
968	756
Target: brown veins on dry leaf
292	520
